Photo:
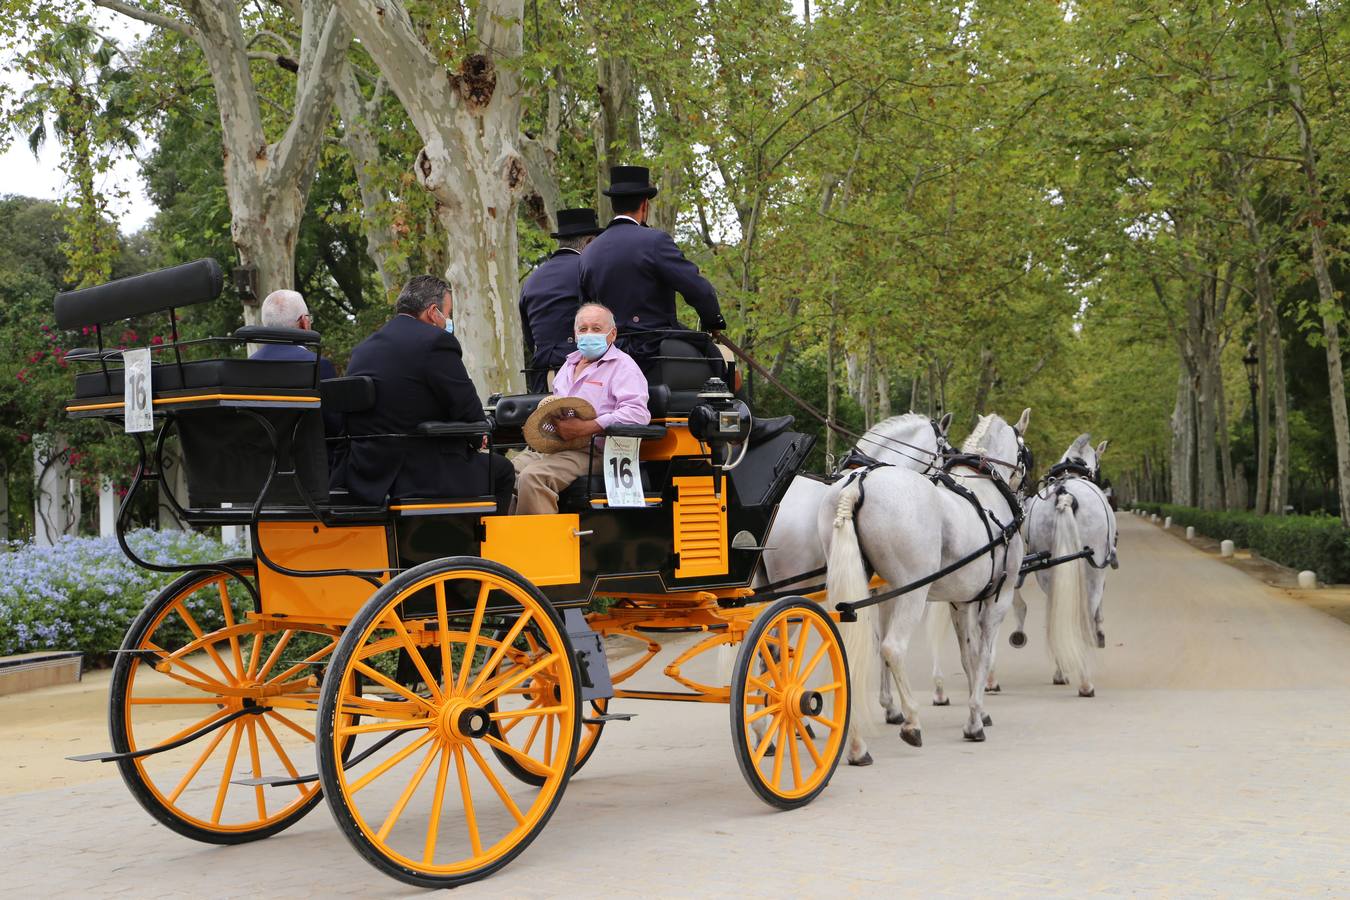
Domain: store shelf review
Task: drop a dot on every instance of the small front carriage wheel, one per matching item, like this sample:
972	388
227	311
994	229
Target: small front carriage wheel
239	694
789	702
451	654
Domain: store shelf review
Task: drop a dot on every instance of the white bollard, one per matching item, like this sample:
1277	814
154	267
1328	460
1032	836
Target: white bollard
1190	532
1167	522
1226	548
1153	518
1307	580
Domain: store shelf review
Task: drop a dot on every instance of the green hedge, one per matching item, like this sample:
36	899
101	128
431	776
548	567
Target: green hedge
1319	543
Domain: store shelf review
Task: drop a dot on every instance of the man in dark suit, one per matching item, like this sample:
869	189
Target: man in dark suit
287	309
419	377
550	297
636	271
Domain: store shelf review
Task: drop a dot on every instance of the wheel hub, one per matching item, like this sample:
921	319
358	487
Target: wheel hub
811	703
459	721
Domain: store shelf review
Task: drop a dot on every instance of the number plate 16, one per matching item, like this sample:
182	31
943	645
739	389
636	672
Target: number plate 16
623	482
137	408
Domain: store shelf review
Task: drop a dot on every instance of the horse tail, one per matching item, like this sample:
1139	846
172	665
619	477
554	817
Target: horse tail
846	581
1068	626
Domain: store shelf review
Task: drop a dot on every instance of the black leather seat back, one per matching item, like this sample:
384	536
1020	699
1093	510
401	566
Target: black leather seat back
227	453
686	363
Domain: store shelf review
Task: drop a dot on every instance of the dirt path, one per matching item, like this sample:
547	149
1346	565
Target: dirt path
1214	759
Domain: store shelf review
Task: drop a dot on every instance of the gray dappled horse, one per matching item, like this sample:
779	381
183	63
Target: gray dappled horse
909	527
1069	512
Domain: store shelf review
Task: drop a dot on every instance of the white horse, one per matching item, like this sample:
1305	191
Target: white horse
1069	513
907	527
909	441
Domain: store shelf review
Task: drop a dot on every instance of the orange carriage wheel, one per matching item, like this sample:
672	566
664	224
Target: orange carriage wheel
231	698
789	702
447	653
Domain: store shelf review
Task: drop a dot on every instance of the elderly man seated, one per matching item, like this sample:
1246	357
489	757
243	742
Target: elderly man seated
287	309
606	377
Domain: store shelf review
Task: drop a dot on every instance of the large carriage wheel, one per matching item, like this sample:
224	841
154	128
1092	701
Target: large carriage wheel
442	650
789	703
238	698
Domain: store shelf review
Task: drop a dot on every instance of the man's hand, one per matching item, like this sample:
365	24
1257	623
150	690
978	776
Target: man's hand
570	427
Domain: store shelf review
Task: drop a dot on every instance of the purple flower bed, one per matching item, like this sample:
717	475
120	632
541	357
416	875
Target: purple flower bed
83	593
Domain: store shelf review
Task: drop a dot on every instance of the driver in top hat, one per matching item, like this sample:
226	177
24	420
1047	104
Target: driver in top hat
636	271
550	297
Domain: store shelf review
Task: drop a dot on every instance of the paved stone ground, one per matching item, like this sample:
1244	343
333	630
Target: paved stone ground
1214	760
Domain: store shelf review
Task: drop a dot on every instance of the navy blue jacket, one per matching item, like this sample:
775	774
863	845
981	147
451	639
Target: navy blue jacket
419	377
332	422
548	306
636	272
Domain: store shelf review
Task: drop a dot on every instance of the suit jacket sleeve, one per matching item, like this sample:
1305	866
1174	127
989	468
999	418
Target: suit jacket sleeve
685	277
450	383
525	331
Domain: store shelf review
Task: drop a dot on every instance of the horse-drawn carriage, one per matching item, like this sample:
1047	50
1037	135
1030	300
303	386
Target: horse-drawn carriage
441	665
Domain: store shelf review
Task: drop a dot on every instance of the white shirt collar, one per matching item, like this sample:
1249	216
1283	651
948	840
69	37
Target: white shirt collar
629	218
567	250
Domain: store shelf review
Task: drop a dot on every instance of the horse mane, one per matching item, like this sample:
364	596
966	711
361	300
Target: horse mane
974	441
886	426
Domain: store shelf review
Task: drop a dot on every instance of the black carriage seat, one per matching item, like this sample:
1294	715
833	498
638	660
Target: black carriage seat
684	366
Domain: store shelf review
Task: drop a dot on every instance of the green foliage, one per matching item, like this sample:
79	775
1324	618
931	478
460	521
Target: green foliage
1319	543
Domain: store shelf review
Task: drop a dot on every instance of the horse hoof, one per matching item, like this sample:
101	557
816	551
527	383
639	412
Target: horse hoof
769	752
977	737
945	701
1090	692
987	719
866	760
994	688
1060	679
1018	639
895	718
1101	641
911	736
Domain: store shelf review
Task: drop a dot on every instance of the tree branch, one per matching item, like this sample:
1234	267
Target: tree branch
151	18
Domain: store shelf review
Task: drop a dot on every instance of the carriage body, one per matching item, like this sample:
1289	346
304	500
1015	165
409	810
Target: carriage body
348	620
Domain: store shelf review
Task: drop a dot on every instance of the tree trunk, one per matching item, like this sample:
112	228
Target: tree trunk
1279	475
469	122
1326	293
1183	441
1266	322
4	501
617	138
56	502
883	393
985	383
1232	499
831	385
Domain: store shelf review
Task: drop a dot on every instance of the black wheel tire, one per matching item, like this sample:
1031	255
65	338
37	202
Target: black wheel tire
131	775
585	749
328	698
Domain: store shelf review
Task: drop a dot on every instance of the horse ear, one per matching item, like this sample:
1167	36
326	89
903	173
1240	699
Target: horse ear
944	424
1023	422
1101	448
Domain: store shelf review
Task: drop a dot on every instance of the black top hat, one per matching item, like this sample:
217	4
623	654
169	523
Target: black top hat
576	223
628	181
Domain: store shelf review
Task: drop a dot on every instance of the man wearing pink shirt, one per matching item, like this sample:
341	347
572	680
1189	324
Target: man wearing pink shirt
611	381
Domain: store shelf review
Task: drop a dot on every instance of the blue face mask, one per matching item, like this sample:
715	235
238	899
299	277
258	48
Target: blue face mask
449	326
592	346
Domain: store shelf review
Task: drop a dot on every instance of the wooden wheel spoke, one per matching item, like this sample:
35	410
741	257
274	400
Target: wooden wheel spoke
253	654
415	654
197	766
369	706
207	682
471	646
769	735
827	723
815	661
407	795
810	745
275	654
303	664
380	678
170	701
470	814
513	680
201	723
770	664
530	764
830	688
238	728
429	851
529	738
528	711
209	646
389	763
280	751
803	633
766	711
782	752
495	659
443	633
790	737
258	791
304	733
768	689
227	610
400	725
784	649
496	784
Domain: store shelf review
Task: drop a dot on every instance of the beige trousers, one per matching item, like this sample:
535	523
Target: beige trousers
541	476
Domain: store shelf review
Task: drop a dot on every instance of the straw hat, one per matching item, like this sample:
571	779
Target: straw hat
541	431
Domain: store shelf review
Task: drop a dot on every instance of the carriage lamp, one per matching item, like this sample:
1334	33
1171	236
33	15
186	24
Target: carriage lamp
1252	362
719	417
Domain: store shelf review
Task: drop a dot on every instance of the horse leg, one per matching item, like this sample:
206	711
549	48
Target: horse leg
963	618
936	617
895	715
984	622
1096	587
905	618
991	684
1019	636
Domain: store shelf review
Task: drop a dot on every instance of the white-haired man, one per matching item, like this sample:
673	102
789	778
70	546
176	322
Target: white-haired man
601	373
287	309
